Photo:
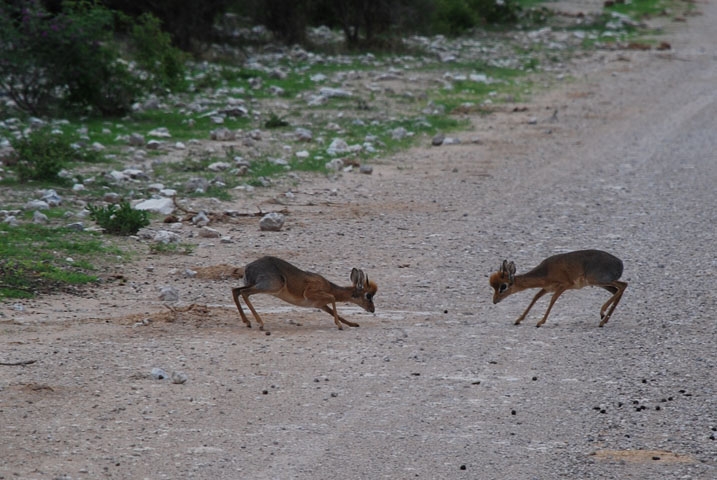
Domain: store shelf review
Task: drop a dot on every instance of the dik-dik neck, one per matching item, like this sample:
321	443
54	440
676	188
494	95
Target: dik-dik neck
527	281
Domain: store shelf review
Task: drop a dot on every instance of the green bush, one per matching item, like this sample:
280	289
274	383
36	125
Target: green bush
453	17
155	54
64	59
122	220
41	155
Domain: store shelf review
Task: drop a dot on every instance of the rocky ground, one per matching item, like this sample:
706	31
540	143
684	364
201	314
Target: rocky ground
438	383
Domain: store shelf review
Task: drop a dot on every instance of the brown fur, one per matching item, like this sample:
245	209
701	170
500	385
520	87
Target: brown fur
277	277
566	271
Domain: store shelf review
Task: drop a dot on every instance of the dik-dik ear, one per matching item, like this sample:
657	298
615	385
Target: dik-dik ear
508	268
359	279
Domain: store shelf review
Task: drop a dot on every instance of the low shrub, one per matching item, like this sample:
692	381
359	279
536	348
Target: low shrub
41	155
119	220
154	53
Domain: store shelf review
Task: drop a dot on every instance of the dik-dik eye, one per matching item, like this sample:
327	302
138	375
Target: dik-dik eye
369	296
503	287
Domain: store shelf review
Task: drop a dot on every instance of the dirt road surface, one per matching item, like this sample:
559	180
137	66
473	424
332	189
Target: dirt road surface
438	383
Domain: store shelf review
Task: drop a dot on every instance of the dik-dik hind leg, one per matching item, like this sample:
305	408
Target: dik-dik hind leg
245	292
619	288
338	317
235	296
535	299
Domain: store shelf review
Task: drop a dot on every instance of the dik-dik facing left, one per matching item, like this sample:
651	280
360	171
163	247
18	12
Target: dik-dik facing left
283	280
565	271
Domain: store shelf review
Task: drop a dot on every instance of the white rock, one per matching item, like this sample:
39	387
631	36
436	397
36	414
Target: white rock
337	146
39	217
166	237
334	92
208	232
271	222
164	206
222	135
335	165
218	166
136	140
37	205
160	132
52	198
200	219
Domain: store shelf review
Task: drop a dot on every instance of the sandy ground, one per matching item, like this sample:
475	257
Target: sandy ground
438	383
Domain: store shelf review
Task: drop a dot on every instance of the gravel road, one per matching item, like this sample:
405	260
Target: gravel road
439	383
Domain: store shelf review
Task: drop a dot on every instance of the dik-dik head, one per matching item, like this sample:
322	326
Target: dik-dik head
502	281
364	290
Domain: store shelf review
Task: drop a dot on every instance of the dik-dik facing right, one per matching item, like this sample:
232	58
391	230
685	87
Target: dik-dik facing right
565	271
283	280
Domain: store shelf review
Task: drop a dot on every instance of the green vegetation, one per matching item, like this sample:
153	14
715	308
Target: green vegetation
71	60
37	259
119	220
43	154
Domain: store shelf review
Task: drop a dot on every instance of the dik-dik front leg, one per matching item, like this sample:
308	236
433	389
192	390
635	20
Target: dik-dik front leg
535	299
336	316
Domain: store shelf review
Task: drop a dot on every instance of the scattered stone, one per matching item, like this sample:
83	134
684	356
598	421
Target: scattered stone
208	232
116	176
154	145
337	147
303	135
166	237
222	135
112	197
52	198
334	92
399	133
189	273
201	219
36	205
168	294
179	378
196	184
165	206
135	174
39	217
366	169
11	220
75	227
437	140
160	132
136	140
335	165
158	374
272	222
218	166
